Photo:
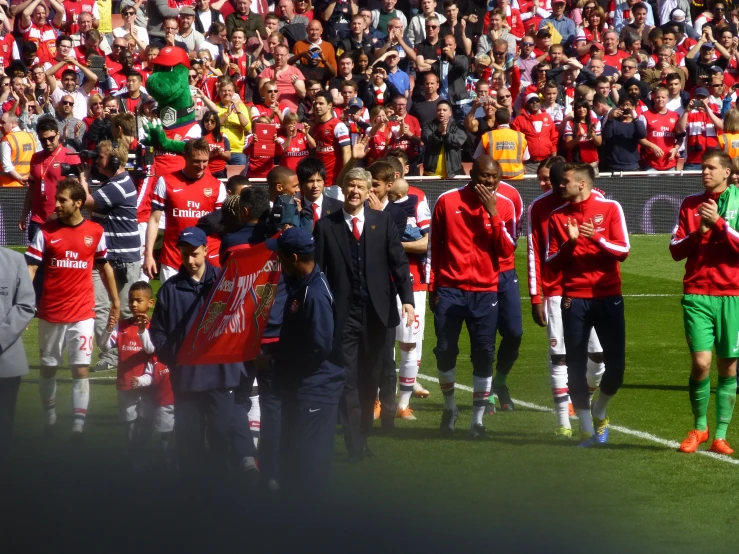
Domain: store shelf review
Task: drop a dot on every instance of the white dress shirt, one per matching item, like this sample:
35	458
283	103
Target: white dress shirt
360	217
318	202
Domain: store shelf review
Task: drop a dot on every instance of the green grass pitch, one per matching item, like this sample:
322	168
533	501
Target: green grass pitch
633	494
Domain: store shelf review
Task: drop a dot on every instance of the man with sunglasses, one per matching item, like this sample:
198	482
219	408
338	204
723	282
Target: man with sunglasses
46	171
271	106
129	27
71	129
428	54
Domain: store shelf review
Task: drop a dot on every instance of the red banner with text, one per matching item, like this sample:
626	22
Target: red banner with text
230	326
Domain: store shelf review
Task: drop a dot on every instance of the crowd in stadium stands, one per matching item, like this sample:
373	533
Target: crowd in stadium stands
622	86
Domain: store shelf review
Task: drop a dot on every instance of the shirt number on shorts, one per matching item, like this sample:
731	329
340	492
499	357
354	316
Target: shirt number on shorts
86	343
416	324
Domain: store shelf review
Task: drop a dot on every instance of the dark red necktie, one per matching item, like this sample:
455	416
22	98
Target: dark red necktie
314	207
355	228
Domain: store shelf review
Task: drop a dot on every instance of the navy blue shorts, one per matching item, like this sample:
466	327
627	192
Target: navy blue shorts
479	311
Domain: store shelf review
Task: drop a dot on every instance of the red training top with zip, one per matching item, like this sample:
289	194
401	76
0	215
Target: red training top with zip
467	243
542	279
589	266
514	227
711	259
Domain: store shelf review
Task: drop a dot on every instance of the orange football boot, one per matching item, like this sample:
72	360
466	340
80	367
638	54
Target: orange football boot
695	438
720	446
571	409
377	409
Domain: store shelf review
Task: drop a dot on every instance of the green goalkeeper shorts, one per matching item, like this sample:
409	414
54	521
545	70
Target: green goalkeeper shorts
712	321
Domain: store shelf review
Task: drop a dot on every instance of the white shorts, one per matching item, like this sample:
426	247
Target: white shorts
414	333
134	404
164	419
139	403
166	272
555	330
77	337
334	192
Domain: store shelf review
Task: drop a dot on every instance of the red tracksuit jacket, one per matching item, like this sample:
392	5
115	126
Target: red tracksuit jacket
713	258
542	279
466	243
513	227
590	267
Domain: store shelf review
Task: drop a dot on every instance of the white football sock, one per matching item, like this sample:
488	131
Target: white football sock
593	375
586	422
80	401
47	391
600	405
480	397
446	384
255	417
419	350
560	393
407	377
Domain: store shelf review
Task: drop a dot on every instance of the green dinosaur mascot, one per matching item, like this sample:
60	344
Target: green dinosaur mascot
169	86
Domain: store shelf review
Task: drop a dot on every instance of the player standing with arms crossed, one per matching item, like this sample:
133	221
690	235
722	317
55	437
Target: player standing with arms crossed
543	282
587	240
468	236
67	247
706	236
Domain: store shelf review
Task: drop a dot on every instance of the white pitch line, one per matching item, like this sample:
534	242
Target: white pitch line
650	295
672	445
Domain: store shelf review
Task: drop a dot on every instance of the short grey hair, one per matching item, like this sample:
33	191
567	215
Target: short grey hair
358	174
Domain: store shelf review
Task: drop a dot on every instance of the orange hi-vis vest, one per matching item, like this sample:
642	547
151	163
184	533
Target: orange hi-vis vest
729	143
22	147
506	146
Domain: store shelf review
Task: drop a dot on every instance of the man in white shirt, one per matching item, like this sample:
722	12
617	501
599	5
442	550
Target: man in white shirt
69	86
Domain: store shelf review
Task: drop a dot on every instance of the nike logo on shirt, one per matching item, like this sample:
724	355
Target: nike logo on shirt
55	241
177	190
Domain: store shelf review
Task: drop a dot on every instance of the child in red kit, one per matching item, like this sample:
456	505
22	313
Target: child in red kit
142	409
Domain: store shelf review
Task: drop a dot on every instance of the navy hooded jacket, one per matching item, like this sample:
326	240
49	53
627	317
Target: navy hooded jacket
307	362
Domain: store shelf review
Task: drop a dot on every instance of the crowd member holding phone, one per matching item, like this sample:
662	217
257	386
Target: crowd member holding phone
701	125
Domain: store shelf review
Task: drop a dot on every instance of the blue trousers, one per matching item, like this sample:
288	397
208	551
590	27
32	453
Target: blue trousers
479	311
606	315
306	445
200	415
510	323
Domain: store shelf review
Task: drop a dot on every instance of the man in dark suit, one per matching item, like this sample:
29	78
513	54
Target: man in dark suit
312	179
360	253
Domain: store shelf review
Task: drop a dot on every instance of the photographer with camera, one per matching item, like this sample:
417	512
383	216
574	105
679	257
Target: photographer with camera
113	206
701	125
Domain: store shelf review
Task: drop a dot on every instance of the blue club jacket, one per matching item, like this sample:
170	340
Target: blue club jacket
308	365
178	303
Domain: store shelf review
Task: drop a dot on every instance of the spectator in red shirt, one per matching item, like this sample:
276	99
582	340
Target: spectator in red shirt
701	126
35	28
406	132
220	148
659	148
611	54
539	130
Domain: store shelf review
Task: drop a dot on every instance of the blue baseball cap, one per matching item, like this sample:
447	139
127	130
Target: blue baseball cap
292	241
355	104
193	236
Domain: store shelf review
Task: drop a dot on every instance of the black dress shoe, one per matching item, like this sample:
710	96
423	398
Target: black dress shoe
387	423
